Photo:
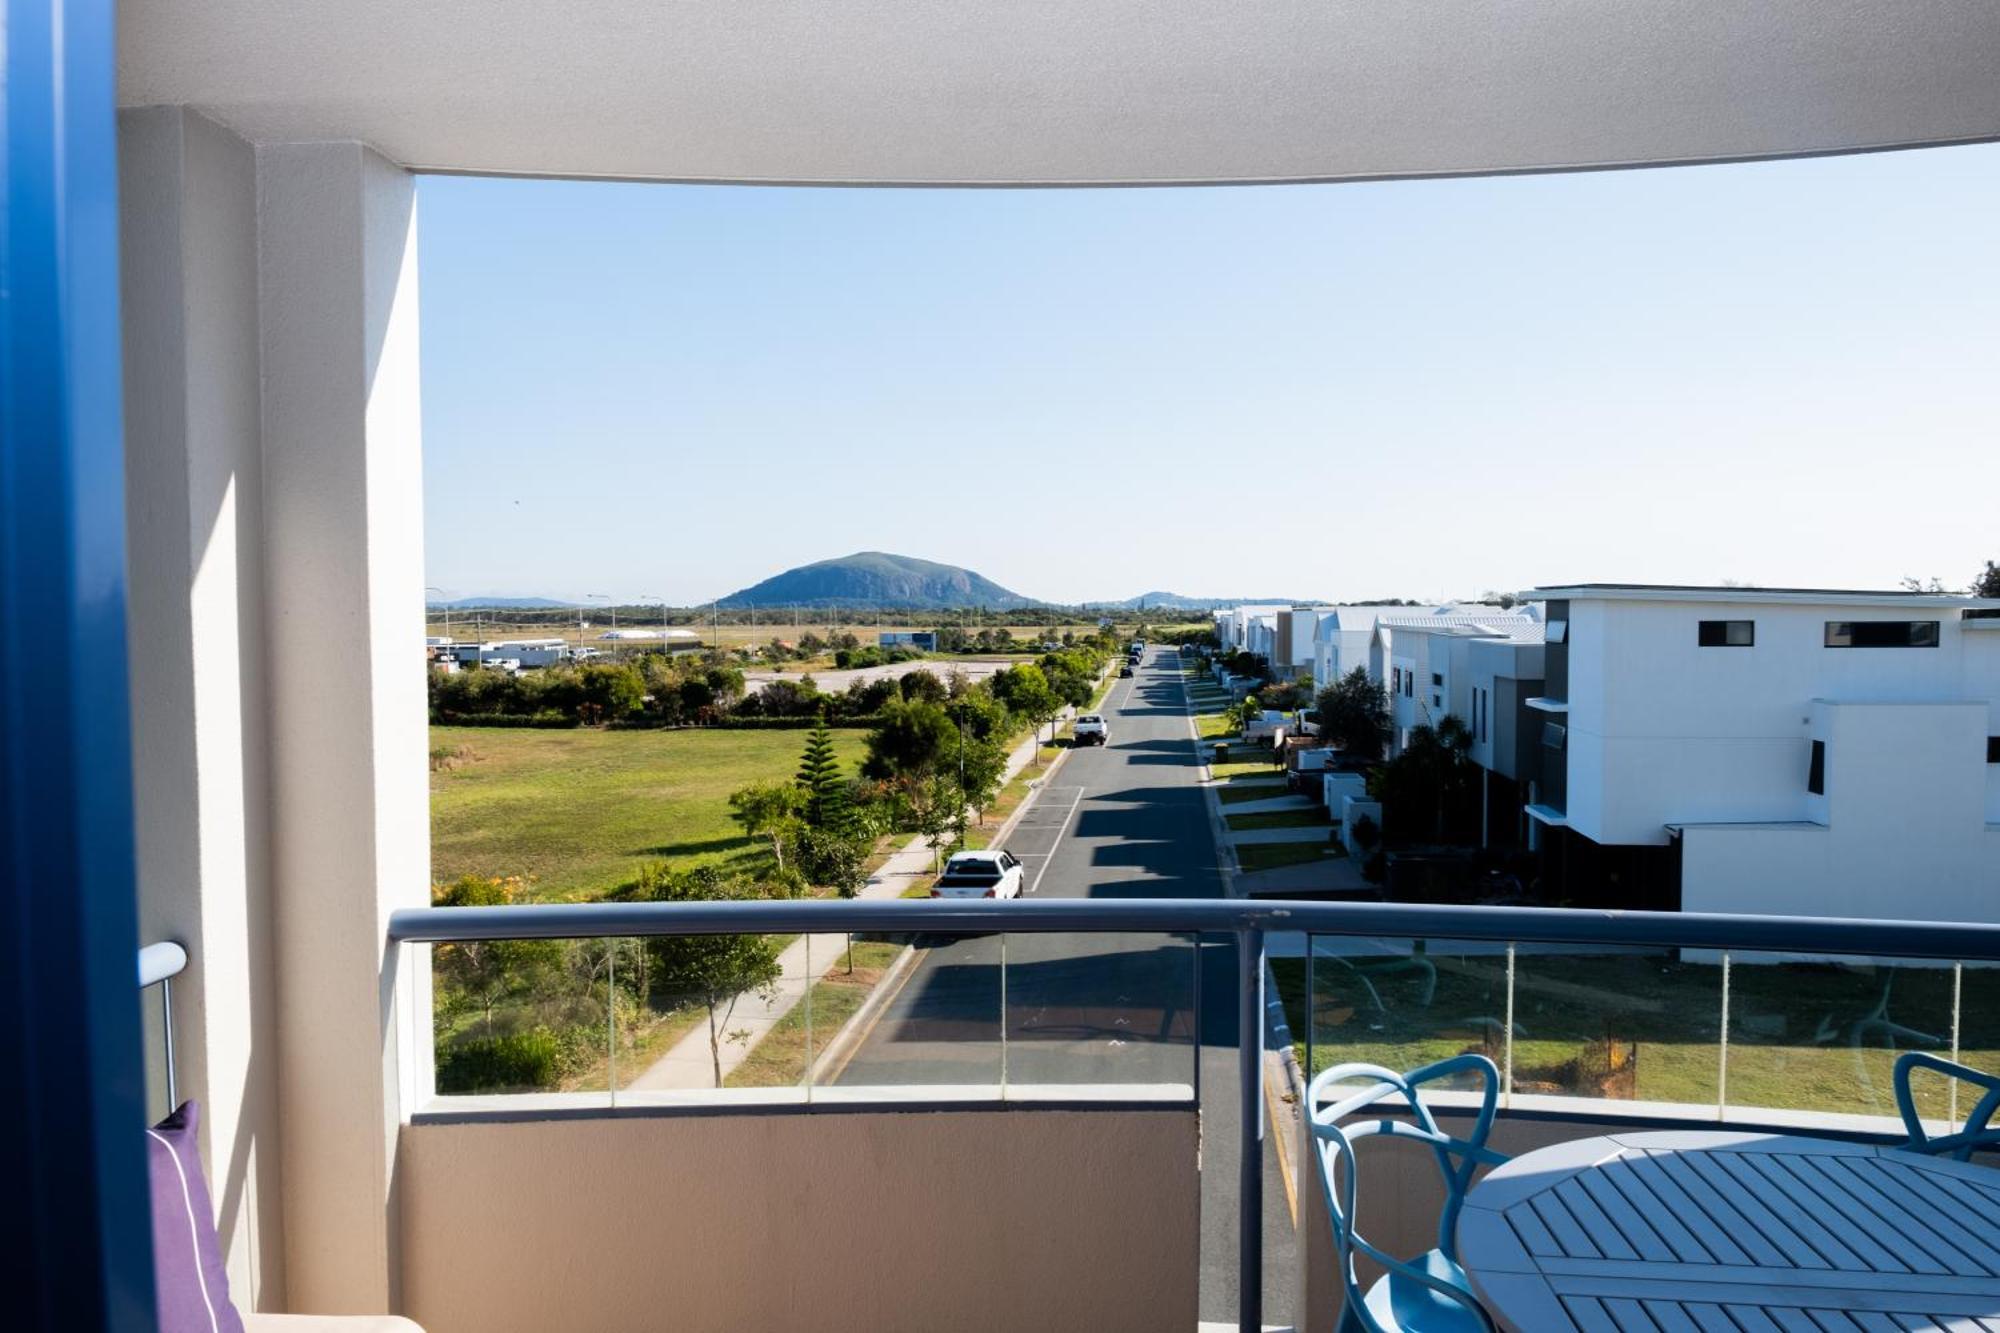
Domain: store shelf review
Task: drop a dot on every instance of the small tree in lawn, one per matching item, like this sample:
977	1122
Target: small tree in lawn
977	767
717	970
834	858
769	810
819	776
934	803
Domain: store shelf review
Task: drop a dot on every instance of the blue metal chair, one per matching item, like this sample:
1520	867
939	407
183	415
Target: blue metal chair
1979	1133
1430	1294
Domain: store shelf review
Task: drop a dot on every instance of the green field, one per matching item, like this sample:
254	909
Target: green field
576	811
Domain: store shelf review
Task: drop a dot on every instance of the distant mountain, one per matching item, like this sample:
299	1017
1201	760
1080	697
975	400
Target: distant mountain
1173	601
502	604
877	579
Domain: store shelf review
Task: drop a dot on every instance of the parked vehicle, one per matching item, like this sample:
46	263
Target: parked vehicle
994	874
1125	670
1092	730
1267	727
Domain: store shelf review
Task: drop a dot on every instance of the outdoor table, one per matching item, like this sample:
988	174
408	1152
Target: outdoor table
1699	1230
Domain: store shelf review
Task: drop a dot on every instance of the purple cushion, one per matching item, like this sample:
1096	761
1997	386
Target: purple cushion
191	1288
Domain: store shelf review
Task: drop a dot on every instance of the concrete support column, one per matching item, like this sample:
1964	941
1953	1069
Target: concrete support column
195	538
350	811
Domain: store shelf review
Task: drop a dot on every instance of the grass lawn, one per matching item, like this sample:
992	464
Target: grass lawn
1251	762
1215	726
1646	1026
1270	855
1245	789
577	811
1313	818
780	1059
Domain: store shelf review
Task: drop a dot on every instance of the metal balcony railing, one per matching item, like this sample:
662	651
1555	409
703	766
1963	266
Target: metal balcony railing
1249	925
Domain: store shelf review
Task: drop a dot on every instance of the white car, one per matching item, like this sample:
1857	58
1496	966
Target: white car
1092	730
995	874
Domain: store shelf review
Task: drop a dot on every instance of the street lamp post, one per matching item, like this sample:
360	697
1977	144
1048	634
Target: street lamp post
649	596
447	608
596	597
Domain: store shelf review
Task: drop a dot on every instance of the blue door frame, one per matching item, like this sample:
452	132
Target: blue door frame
79	1253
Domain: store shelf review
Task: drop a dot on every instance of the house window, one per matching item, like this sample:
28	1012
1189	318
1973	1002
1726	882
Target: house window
1437	701
1395	680
1727	634
1993	749
1881	633
1557	631
1436	679
1816	771
1553	735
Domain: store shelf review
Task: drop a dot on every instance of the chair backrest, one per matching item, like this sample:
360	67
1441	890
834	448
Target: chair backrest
1336	1131
1978	1133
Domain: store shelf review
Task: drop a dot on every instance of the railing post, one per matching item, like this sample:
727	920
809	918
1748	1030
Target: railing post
1312	1007
1250	1173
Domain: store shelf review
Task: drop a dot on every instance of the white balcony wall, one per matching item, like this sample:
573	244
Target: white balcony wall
274	500
200	696
350	806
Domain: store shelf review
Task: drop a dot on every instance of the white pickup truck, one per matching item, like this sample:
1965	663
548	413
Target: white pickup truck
1092	730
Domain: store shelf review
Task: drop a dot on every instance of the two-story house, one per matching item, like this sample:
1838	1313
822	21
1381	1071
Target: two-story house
1770	750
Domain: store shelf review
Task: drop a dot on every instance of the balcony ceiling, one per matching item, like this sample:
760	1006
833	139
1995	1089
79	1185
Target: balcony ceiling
1072	91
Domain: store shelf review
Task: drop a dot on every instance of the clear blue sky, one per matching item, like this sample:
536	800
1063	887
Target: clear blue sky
1785	373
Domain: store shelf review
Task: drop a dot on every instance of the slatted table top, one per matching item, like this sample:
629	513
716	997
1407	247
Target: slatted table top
1700	1230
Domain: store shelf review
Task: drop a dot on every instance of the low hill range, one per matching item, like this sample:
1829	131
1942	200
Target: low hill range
889	582
879	579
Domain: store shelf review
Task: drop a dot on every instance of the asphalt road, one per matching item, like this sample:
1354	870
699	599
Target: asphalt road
1125	820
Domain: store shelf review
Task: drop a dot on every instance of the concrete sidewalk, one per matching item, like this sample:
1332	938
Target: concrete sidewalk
688	1064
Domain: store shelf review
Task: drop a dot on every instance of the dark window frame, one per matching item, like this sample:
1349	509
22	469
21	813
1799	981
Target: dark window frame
1726	634
1816	769
1555	736
1883	634
1993	749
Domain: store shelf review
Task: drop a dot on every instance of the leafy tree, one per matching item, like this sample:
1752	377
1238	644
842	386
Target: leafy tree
834	858
935	809
715	969
1427	790
976	764
482	974
922	686
1353	713
1025	691
976	712
1987	584
820	777
769	810
909	742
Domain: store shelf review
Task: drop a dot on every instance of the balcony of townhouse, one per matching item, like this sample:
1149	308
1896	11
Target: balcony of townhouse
1009	1131
251	305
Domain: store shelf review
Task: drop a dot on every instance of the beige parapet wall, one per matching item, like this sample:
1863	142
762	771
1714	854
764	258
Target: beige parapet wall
840	1222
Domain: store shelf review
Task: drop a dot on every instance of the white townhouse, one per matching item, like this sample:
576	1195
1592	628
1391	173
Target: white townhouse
1241	627
1771	750
1421	661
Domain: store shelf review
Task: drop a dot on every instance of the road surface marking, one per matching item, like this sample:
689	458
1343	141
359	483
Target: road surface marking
1061	829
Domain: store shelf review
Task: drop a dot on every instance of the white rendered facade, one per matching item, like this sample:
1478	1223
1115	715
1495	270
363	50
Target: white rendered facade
1663	737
